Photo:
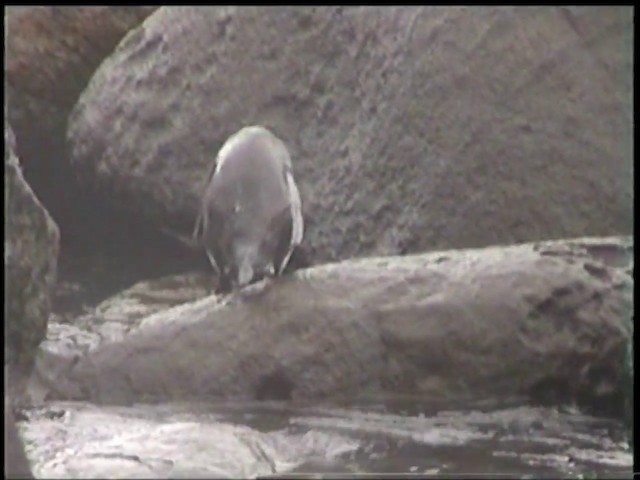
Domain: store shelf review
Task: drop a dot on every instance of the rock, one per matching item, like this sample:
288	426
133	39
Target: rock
166	442
116	316
130	307
53	51
30	255
279	440
411	129
549	321
16	464
91	276
51	54
628	392
111	321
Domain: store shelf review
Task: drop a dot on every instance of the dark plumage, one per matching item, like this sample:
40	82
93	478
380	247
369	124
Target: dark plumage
250	219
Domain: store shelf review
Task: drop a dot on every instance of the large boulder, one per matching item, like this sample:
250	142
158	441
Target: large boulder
409	128
30	254
549	321
51	53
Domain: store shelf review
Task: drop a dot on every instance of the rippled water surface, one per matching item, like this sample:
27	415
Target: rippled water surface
261	439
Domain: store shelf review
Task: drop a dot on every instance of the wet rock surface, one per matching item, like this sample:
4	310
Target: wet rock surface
248	440
16	464
409	128
114	317
496	322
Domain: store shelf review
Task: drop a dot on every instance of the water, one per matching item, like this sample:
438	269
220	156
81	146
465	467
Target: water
262	439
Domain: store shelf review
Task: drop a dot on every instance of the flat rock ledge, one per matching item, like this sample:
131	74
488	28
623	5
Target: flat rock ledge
547	321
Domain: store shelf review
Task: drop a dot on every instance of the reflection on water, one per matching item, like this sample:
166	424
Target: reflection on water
270	438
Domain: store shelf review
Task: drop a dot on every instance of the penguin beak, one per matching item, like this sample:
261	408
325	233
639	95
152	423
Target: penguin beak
245	273
245	259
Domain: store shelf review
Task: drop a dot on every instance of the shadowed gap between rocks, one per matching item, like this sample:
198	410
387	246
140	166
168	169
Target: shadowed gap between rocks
102	251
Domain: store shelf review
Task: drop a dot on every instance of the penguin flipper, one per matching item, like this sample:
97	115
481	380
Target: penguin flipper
293	228
281	230
296	210
198	228
200	225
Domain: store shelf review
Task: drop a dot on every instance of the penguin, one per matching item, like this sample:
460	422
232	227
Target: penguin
250	218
